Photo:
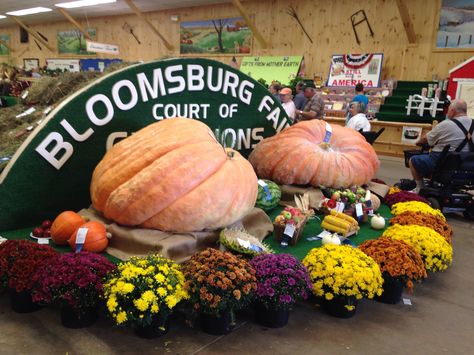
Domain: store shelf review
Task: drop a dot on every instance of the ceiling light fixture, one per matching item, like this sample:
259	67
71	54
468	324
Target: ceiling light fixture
31	11
83	3
2	16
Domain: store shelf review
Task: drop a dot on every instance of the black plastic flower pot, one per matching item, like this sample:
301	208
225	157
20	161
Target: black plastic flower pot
73	319
217	324
340	306
271	318
158	328
392	291
21	302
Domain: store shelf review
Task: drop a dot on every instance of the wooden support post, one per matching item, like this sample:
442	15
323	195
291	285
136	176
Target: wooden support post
75	23
34	34
137	11
407	23
248	20
6	45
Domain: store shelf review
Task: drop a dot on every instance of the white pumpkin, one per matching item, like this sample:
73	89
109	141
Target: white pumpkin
331	239
377	222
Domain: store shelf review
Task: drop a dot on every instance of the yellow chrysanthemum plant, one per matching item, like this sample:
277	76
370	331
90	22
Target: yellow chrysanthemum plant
436	252
415	206
343	272
144	291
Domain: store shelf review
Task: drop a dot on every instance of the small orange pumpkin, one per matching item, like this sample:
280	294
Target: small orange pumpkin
64	225
96	237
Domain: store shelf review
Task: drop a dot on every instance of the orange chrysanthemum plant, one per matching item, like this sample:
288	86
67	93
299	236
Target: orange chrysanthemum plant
219	281
427	220
396	259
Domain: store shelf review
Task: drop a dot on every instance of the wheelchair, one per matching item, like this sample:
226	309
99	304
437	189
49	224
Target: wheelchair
451	186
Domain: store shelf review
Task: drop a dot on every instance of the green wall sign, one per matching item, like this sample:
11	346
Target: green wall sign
282	69
52	170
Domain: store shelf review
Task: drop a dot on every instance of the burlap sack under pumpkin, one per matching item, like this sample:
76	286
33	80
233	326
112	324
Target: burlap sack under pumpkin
378	189
127	242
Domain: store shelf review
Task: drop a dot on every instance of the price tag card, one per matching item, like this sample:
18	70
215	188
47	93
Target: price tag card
43	241
328	135
359	211
340	207
243	243
264	185
407	302
81	238
289	230
324	233
371	212
25	94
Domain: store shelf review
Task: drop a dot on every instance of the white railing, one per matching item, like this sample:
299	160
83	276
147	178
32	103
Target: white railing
421	104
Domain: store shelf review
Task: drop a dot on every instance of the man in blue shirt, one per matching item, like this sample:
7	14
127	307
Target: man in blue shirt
300	100
360	97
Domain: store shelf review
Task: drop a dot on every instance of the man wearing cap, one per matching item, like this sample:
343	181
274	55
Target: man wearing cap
287	103
314	108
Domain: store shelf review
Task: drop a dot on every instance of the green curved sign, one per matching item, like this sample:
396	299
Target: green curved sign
51	172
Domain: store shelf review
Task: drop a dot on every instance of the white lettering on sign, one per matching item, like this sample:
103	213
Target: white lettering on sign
195	77
76	136
146	88
175	79
52	154
125	94
90	109
116	95
113	137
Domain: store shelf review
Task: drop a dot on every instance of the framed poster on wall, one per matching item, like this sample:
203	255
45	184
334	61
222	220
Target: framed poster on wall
74	42
352	69
282	69
30	63
455	30
4	39
228	36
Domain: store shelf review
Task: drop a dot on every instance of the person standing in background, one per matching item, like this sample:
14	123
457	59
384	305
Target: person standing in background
287	103
314	108
300	100
274	89
358	120
360	97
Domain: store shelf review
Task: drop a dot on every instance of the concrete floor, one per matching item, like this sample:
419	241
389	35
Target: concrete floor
440	320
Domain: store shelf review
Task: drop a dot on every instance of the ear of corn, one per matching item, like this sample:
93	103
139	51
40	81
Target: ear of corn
334	228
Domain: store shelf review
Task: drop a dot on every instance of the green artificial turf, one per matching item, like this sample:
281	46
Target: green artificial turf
313	228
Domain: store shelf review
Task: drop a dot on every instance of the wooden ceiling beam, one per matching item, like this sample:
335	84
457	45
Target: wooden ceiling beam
248	20
35	35
407	23
137	11
75	23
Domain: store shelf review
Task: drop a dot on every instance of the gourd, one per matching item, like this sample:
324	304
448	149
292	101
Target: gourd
96	237
64	225
173	175
331	239
377	222
298	155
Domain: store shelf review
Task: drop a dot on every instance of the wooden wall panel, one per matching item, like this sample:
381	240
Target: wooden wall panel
328	23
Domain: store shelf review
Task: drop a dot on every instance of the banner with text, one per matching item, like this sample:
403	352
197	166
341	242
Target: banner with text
352	69
51	172
282	69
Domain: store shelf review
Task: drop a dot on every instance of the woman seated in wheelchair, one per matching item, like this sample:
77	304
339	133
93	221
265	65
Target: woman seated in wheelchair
456	131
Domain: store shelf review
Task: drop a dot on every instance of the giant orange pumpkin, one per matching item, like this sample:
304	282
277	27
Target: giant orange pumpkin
298	155
64	225
174	176
96	237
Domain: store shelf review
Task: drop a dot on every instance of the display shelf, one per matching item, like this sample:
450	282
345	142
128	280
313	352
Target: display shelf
390	142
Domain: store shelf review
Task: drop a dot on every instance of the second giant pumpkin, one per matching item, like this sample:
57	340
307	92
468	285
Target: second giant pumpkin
174	176
298	155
